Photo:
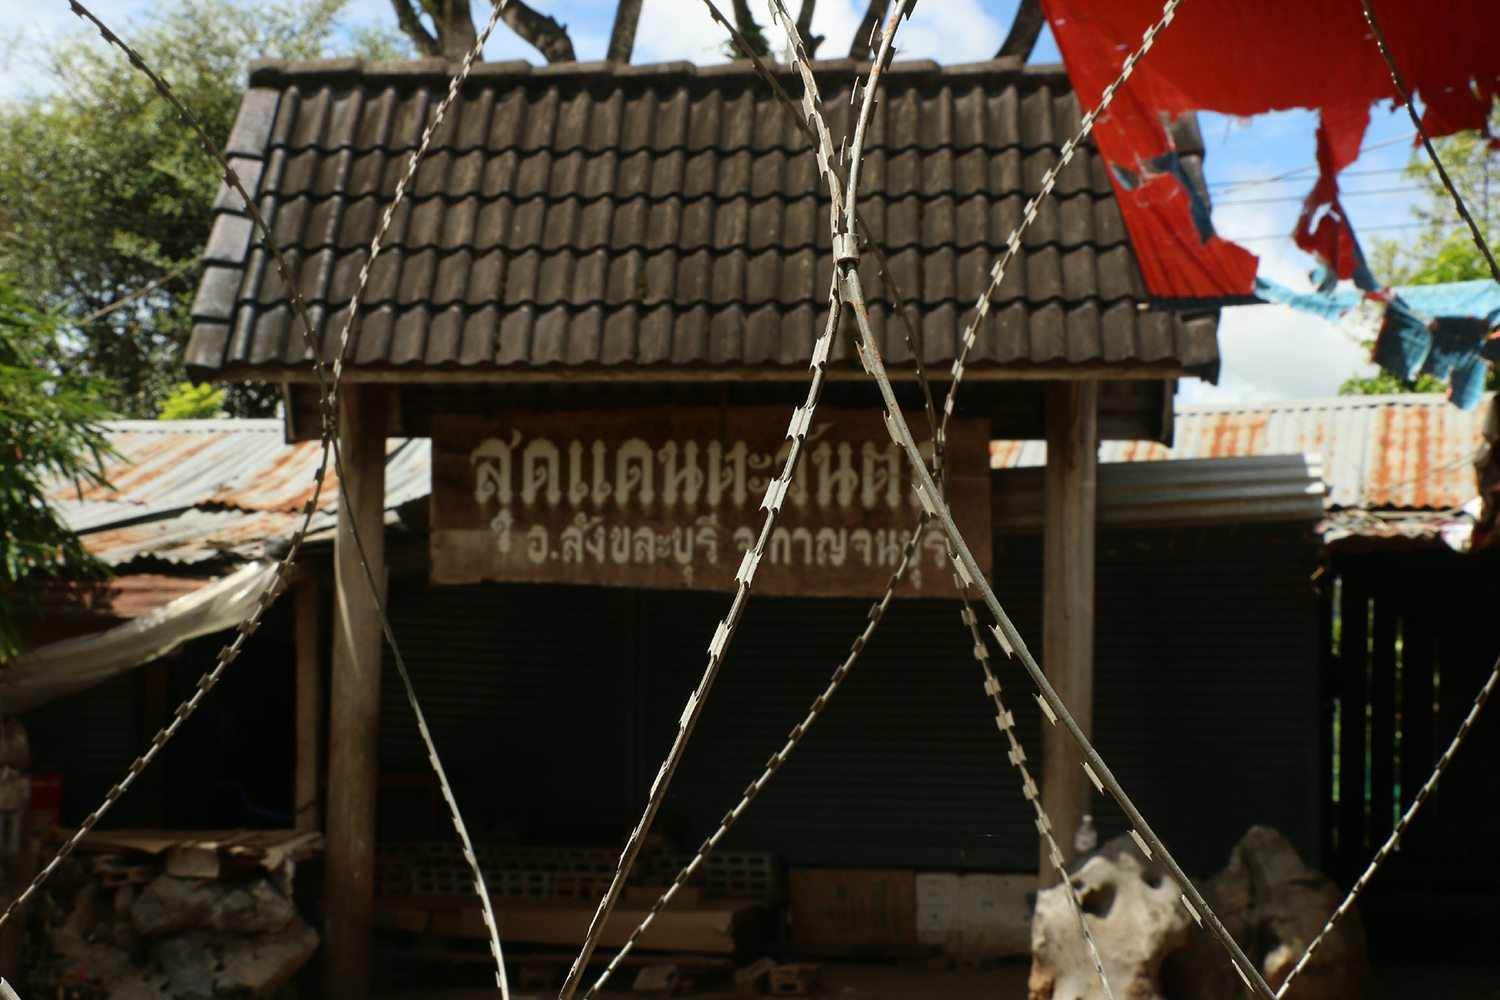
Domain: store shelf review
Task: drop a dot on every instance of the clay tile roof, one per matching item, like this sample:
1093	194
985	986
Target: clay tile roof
664	216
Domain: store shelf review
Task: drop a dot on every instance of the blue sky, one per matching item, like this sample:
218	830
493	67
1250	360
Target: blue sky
1268	351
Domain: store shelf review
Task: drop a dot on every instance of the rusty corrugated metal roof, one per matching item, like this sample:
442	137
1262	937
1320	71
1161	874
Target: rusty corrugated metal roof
1405	451
188	491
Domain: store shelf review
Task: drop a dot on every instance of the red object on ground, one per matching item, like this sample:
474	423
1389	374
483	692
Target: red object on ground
46	801
1248	58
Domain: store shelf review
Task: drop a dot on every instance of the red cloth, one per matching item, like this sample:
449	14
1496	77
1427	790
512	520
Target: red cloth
1244	59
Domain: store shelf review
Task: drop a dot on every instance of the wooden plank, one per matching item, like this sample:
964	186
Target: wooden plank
308	709
354	698
1382	720
1353	697
710	927
1418	750
1068	602
670	497
491	375
1327	691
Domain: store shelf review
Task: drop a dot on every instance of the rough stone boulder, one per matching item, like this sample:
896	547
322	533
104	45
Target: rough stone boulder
1135	919
169	904
1274	905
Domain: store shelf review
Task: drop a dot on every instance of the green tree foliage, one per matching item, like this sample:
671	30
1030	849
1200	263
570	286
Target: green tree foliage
193	402
50	433
102	190
1444	249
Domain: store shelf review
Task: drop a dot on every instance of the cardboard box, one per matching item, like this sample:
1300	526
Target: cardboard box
845	911
976	916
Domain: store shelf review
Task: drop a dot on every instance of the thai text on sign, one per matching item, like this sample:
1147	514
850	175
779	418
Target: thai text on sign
671	497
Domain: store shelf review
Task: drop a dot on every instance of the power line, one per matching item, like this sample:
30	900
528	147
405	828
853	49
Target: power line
1283	199
1363	229
1376	172
1313	166
138	293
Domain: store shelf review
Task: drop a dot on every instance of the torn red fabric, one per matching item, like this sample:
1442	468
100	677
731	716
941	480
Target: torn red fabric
1341	128
1244	59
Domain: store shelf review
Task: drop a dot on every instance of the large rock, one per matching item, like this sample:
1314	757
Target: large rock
93	961
259	965
188	965
257	908
170	904
1134	916
1274	905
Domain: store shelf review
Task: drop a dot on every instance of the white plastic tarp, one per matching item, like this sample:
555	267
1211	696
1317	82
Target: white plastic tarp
74	664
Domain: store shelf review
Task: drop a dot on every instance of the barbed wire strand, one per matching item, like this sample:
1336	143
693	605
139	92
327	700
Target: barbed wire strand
852	292
141	292
345	336
877	612
1004	718
1458	201
913	342
1393	841
1049	180
992	685
744	577
1011	641
1006	722
328	442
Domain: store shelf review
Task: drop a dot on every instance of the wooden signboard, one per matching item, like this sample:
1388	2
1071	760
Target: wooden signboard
670	497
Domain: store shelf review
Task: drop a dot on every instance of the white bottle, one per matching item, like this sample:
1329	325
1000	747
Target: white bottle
1085	838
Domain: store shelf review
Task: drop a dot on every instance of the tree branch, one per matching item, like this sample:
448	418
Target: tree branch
1024	31
411	26
544	33
804	27
874	14
622	39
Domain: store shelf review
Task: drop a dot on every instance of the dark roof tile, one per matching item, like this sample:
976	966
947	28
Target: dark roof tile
617	344
409	336
652	215
479	333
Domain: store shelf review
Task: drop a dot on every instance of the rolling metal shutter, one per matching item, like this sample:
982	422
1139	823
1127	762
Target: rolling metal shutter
560	702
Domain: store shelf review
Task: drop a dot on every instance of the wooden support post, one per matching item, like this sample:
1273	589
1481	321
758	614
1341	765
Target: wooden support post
1068	601
309	709
354	698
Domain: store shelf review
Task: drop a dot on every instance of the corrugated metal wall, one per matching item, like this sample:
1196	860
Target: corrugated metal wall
560	702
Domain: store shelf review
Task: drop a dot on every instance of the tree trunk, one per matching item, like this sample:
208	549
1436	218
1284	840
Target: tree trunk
874	15
1024	31
542	32
455	26
622	39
